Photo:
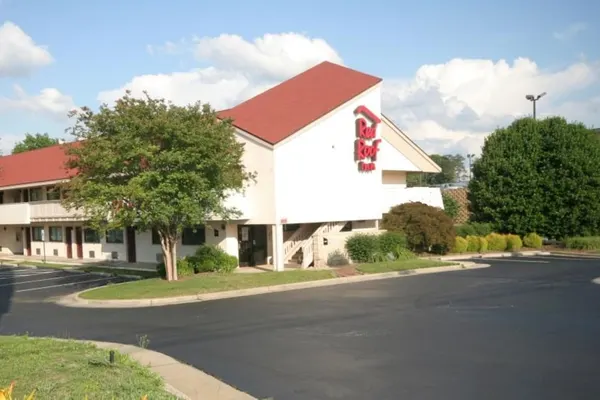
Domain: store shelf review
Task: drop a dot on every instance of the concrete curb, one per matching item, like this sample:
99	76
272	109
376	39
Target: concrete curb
490	255
74	300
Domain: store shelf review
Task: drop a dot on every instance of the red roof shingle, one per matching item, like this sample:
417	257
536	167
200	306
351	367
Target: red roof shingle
290	106
41	165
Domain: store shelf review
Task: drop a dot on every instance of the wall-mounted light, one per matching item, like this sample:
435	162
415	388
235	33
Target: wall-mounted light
325	241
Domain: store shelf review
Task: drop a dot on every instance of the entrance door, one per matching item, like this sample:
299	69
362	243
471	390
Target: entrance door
69	241
28	241
252	241
79	241
131	256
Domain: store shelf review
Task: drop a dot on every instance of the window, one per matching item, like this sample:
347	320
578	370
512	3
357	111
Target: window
115	236
35	194
91	236
56	234
291	227
155	236
1	197
37	233
193	236
52	193
347	227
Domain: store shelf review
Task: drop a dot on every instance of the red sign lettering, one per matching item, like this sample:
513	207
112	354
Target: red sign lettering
366	146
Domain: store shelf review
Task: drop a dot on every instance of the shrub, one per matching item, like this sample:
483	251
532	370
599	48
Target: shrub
465	230
361	247
474	229
451	206
513	242
496	242
389	241
402	253
473	243
460	245
583	243
337	258
184	268
533	241
426	228
483	244
209	258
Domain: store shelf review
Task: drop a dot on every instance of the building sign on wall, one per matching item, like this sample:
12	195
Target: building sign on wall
366	145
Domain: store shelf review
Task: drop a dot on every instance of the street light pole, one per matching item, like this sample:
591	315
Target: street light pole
470	158
534	100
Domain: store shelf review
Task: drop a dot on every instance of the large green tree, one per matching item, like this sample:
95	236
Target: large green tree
453	168
151	164
33	142
539	176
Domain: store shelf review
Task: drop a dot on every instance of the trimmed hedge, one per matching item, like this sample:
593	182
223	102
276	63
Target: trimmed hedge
533	241
496	242
473	229
460	245
361	247
209	258
583	243
473	244
386	246
513	243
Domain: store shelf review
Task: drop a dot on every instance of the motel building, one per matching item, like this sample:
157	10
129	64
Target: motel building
328	165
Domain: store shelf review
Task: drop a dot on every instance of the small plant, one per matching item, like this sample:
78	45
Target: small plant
460	245
496	242
143	341
402	253
533	241
583	243
361	247
473	243
513	242
337	259
388	241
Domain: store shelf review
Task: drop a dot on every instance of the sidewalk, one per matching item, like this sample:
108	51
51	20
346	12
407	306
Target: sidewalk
182	380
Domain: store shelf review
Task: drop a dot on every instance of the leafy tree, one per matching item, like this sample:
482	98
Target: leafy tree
453	168
151	164
33	142
451	206
539	176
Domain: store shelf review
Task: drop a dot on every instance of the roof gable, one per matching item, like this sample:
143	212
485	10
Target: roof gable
41	165
288	107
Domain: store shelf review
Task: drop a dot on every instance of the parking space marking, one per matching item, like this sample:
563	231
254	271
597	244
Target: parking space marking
12	276
512	259
61	285
566	258
38	280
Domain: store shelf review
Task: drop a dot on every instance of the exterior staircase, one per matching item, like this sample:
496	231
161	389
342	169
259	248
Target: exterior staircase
301	246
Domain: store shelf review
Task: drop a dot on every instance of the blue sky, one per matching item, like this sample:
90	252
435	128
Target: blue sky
100	46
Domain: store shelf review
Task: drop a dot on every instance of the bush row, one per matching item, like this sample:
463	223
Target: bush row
583	243
363	248
207	258
495	242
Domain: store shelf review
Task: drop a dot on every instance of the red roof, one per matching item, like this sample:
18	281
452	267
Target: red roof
41	165
290	106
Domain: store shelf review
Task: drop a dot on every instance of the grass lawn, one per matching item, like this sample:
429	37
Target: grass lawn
71	370
206	283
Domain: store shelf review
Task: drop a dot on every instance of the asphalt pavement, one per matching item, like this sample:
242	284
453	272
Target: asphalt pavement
525	328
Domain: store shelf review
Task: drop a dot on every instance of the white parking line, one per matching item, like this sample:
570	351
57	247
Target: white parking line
11	276
64	284
39	280
567	258
511	259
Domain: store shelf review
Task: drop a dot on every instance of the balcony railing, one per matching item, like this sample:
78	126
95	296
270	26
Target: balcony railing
52	210
14	214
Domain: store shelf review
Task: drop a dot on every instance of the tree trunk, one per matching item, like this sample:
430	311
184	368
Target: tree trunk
168	243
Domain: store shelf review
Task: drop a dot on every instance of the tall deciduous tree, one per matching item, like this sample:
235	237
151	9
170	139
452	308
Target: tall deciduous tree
539	176
453	168
33	142
151	164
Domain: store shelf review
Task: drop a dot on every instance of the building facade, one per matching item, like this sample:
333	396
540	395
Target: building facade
327	163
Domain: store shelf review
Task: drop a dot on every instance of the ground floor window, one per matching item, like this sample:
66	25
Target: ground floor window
155	236
91	235
36	233
193	236
56	234
115	236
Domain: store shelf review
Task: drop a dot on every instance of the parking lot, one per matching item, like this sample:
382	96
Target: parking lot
22	282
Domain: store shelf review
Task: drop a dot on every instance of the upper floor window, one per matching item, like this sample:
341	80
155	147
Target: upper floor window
52	193
36	194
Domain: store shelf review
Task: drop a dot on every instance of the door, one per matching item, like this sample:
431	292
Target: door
79	241
28	241
252	241
69	241
131	256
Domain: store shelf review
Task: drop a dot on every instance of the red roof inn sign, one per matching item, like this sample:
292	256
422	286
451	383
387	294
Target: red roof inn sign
366	146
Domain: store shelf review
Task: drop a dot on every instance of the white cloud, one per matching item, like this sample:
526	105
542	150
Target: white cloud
49	102
447	107
8	142
570	32
19	54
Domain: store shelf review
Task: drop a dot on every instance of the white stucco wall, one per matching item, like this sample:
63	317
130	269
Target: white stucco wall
316	175
393	160
11	240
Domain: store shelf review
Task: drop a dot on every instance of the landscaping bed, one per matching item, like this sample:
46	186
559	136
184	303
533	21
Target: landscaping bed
62	369
220	282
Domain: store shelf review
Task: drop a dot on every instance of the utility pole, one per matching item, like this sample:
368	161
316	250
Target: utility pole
470	157
534	100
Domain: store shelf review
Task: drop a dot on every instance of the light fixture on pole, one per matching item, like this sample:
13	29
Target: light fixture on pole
534	100
470	157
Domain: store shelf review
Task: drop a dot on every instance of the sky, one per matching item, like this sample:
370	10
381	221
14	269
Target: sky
453	70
